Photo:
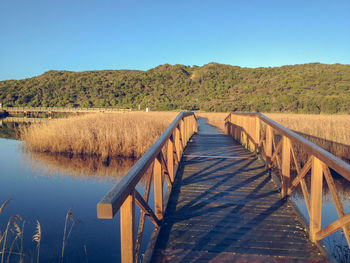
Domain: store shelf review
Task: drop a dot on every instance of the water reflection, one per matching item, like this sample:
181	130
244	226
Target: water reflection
336	242
44	187
78	167
342	186
8	130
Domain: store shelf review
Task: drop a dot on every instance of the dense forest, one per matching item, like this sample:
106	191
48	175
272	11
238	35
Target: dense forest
306	88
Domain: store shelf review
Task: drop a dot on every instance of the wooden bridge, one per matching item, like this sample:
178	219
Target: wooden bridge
23	120
52	110
224	204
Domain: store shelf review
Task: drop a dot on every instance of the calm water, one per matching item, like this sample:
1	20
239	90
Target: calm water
336	242
44	188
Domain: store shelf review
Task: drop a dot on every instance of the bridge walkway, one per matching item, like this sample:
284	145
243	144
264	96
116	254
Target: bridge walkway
225	208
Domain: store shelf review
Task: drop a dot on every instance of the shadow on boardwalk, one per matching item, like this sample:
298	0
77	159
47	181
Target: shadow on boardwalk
225	207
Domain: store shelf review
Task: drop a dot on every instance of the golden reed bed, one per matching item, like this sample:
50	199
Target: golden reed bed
106	135
131	134
329	127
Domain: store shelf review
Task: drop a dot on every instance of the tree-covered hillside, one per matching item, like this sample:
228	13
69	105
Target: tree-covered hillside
310	88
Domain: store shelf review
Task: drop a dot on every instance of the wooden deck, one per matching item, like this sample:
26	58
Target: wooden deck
225	207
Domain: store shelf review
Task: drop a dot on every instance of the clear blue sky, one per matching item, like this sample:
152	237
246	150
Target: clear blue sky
40	35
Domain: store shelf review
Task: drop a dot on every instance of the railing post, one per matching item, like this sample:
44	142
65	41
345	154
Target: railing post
244	133
316	197
285	165
186	130
170	158
257	132
228	124
127	229
252	133
158	188
177	143
268	145
182	131
195	127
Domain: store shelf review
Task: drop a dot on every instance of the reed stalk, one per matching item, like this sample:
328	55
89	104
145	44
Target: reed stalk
69	216
37	239
4	237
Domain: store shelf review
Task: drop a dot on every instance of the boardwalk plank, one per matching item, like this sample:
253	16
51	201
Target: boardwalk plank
224	207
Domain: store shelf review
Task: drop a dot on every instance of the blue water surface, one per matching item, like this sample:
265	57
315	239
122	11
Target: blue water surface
45	195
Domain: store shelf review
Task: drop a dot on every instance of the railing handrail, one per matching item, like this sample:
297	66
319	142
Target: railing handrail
165	156
331	160
113	200
60	109
246	128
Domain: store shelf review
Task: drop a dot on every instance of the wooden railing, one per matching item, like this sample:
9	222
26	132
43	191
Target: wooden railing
163	159
278	147
23	119
60	109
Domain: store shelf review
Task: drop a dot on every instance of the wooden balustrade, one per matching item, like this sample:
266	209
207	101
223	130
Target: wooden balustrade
277	144
59	109
164	158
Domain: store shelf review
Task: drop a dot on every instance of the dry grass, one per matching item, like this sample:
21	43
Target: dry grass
334	128
216	119
331	132
106	135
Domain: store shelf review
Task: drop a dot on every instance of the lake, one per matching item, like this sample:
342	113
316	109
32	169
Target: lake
44	187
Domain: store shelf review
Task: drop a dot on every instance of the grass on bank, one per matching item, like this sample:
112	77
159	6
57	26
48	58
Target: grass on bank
334	128
131	134
105	135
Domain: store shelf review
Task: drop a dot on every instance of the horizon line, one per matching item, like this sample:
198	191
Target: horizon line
193	65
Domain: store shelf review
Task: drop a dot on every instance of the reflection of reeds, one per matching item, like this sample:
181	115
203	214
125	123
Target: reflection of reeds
82	167
339	250
106	135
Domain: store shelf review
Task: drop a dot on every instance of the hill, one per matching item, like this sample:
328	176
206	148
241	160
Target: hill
306	88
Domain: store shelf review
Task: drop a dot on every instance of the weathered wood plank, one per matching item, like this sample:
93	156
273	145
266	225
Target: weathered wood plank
316	197
127	229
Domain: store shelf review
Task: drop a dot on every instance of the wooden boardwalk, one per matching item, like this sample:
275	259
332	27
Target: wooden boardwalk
224	208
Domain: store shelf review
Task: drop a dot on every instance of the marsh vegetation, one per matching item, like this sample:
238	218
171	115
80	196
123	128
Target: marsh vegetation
95	129
104	135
